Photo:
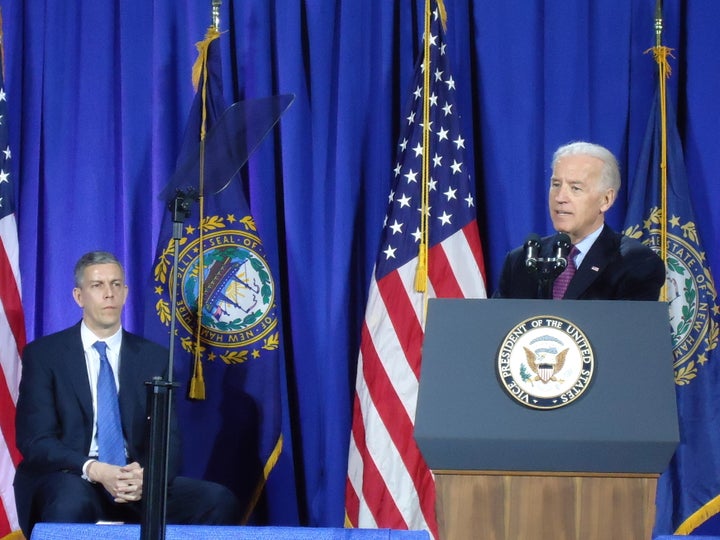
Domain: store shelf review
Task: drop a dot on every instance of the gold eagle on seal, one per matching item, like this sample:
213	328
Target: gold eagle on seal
545	365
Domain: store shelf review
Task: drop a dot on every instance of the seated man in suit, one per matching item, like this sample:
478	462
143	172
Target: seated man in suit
603	264
73	470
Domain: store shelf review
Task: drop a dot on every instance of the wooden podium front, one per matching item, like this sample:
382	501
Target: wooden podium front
495	505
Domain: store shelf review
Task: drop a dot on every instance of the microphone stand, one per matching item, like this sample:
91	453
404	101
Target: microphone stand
154	508
547	270
547	273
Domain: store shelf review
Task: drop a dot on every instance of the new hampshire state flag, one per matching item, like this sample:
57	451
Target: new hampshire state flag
688	494
228	345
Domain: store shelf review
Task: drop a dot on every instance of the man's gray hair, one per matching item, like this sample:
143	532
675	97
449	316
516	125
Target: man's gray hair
91	258
610	174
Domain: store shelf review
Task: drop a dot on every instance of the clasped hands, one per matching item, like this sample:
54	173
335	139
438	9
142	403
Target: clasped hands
124	483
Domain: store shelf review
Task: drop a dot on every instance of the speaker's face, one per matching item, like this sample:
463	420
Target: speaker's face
577	199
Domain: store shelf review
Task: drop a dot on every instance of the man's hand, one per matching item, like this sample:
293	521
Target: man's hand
123	483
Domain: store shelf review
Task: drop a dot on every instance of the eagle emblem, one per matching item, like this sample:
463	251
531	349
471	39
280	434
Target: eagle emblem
546	363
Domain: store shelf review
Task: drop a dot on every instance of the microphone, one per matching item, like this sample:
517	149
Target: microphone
532	250
561	248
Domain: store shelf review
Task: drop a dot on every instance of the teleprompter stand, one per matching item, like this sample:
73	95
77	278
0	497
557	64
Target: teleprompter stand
208	169
154	508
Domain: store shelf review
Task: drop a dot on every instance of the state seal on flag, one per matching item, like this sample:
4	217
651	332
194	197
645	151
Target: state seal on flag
235	299
689	291
545	362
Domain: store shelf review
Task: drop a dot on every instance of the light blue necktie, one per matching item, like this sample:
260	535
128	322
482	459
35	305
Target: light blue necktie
111	445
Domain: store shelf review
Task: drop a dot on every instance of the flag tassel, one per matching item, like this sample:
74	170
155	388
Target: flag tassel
197	383
422	270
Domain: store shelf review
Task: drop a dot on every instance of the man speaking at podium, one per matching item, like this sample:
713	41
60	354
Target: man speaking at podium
586	260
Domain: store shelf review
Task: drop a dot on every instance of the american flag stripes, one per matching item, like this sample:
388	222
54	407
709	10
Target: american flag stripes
389	485
12	325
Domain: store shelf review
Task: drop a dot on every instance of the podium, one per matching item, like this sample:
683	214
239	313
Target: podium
586	467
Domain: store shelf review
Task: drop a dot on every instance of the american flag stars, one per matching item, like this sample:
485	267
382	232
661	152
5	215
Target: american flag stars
451	197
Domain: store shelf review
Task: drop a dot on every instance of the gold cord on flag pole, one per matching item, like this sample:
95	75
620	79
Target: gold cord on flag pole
200	70
661	53
422	268
421	273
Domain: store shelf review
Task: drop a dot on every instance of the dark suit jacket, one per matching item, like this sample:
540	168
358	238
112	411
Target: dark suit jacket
54	419
616	268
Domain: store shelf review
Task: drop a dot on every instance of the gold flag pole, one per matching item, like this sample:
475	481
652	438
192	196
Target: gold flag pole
422	269
661	53
421	273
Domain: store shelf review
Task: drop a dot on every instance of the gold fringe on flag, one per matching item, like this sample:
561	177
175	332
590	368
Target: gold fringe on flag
267	469
708	510
443	14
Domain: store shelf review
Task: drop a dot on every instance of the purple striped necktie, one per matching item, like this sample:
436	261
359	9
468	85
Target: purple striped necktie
563	280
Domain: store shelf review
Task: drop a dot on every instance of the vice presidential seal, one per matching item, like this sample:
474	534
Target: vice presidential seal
545	362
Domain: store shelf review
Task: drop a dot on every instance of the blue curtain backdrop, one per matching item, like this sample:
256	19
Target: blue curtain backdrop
99	93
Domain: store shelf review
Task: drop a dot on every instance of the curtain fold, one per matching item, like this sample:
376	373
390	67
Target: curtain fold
100	92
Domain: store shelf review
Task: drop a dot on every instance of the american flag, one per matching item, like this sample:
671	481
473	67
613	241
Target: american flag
389	484
12	323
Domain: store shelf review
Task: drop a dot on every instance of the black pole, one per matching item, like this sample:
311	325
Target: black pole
152	525
546	271
546	278
658	22
154	508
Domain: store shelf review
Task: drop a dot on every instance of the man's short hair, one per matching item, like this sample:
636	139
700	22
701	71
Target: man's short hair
91	258
610	173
